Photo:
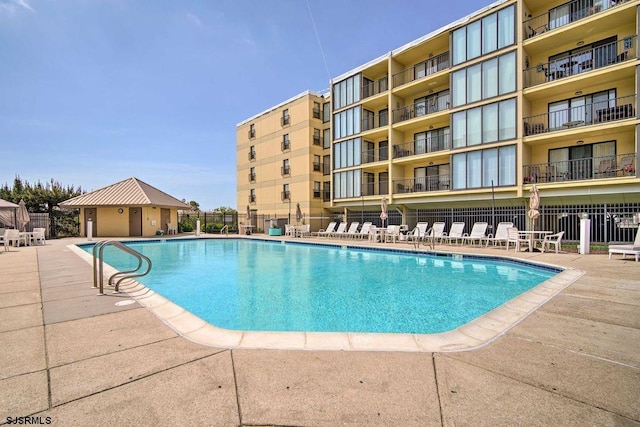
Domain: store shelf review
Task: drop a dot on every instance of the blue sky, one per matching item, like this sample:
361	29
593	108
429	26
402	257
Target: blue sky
96	91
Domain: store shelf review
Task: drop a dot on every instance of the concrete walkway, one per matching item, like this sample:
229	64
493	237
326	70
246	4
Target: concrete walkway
72	358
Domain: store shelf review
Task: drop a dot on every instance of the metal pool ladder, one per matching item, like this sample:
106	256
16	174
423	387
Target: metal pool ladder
98	265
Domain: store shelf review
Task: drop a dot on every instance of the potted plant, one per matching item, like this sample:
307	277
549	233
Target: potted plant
274	230
630	170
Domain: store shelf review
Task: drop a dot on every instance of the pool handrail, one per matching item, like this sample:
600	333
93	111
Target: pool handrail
127	274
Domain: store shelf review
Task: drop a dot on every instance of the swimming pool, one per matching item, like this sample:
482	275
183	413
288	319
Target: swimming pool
254	285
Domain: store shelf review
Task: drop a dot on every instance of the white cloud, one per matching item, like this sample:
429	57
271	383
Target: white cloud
194	19
13	6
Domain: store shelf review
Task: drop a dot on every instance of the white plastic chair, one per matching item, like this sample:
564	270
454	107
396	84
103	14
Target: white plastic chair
38	236
552	239
513	236
418	232
455	233
330	228
500	235
477	233
392	234
171	229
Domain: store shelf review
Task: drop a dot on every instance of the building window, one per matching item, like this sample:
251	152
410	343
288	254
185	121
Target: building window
488	79
491	33
285	142
316	189
316	110
286	195
326	112
346	92
326	191
316	163
481	168
252	131
326	138
347	153
252	152
286	170
252	175
285	119
326	165
347	184
485	124
252	195
316	137
346	123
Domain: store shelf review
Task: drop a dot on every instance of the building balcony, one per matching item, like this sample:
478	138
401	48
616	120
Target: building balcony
252	199
582	62
286	195
317	167
434	103
422	184
591	168
422	70
252	177
326	195
316	140
285	145
380	188
252	133
583	115
422	146
374	88
375	121
252	155
376	155
285	170
317	113
285	120
566	14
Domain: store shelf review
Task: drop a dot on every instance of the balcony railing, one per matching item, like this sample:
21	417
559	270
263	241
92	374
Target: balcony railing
565	14
583	115
316	140
374	88
252	133
422	184
422	146
252	199
284	120
422	70
285	145
375	121
581	169
376	155
285	170
316	113
326	195
433	104
316	194
379	188
286	195
317	166
252	177
583	62
252	155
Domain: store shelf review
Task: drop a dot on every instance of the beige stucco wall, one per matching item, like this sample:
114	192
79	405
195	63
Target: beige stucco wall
111	223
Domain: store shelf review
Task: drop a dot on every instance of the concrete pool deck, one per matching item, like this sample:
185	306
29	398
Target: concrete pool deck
80	359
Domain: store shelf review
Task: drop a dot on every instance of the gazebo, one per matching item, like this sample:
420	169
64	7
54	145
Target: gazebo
8	213
127	208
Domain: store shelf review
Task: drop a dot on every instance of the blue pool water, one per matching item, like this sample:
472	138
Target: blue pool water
269	286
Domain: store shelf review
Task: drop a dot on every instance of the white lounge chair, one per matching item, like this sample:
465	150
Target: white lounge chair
500	234
364	231
477	233
625	250
418	232
513	236
340	230
330	229
437	231
353	229
455	233
552	239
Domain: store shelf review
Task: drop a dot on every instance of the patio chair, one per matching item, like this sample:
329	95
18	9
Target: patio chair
304	230
501	234
625	250
513	236
353	229
171	229
455	233
364	231
38	236
392	234
552	239
12	237
478	232
289	230
330	228
437	231
340	230
418	232
4	240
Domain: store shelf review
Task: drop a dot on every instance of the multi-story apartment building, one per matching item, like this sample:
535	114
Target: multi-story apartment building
283	158
460	123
